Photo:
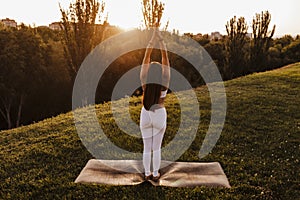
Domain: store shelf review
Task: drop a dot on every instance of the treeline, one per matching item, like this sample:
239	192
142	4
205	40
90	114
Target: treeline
240	53
34	83
38	68
35	77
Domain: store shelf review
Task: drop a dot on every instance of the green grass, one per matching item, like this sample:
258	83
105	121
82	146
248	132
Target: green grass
259	147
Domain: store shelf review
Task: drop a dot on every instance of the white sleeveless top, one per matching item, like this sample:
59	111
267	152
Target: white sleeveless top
163	94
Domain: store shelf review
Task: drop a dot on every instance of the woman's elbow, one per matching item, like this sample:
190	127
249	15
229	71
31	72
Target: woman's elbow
143	77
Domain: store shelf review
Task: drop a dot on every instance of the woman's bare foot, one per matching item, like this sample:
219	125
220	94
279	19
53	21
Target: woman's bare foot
147	178
156	178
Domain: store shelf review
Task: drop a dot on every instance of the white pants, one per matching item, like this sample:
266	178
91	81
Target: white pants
153	126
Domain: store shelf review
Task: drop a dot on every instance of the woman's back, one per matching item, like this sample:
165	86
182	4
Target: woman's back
153	87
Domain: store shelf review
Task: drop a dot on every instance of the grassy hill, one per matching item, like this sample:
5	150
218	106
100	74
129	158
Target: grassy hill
259	147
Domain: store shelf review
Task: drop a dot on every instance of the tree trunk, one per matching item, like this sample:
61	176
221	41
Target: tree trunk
20	110
6	113
9	123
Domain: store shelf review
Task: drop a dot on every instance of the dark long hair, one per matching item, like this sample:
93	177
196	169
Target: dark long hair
153	86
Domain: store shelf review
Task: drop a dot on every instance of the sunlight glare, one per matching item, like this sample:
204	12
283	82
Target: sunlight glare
125	14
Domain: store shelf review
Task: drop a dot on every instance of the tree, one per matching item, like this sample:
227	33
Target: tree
21	71
235	47
283	41
11	67
202	39
216	50
152	13
292	51
81	33
261	41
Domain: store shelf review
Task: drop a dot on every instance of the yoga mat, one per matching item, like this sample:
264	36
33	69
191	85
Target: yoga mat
174	174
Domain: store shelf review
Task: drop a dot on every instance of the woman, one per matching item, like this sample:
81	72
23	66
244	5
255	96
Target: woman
155	78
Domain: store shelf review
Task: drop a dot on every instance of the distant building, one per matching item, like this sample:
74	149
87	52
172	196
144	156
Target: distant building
56	26
215	36
9	22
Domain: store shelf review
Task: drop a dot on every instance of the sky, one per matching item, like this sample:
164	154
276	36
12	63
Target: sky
194	16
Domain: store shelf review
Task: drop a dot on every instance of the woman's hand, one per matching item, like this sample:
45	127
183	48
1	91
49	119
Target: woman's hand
155	37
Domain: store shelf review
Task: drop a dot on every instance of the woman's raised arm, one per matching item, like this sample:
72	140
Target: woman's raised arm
146	60
165	63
